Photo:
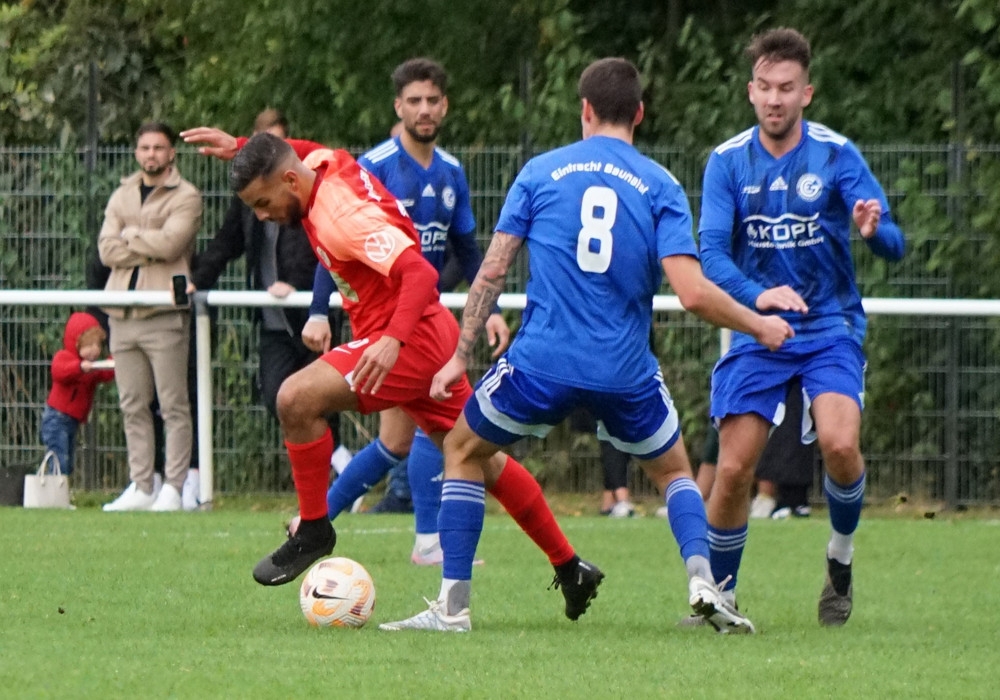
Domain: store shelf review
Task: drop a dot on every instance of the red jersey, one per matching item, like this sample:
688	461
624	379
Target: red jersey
358	230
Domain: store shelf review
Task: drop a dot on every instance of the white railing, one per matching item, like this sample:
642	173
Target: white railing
202	300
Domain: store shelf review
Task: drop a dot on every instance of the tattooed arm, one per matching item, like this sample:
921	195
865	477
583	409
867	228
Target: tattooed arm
483	295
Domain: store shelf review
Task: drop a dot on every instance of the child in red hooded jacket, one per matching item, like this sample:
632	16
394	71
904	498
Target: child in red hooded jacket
74	380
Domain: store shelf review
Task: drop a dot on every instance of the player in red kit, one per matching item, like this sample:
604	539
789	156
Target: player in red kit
402	336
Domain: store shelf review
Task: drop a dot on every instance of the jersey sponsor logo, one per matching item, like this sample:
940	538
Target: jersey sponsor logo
778	185
379	246
432	237
809	187
428	191
751	189
448	198
407	202
787	231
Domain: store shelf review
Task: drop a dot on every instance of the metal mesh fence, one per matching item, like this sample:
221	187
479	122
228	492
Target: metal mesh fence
930	428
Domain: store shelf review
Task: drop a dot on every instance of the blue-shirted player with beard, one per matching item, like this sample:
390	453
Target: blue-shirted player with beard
430	183
777	206
602	224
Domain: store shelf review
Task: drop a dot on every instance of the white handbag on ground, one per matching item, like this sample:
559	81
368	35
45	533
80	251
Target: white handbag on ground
44	490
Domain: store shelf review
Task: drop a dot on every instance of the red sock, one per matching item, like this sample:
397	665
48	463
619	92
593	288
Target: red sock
311	474
521	496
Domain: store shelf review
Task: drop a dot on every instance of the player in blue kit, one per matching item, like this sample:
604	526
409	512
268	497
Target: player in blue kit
602	224
777	205
430	183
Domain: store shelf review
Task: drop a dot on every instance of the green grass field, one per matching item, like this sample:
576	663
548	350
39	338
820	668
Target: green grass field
147	605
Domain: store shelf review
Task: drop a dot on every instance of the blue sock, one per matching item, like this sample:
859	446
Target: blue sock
686	512
366	469
726	548
426	471
845	504
399	481
460	523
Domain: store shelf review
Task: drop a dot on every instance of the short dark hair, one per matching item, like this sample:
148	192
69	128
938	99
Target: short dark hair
417	70
268	118
613	89
781	44
262	155
157	128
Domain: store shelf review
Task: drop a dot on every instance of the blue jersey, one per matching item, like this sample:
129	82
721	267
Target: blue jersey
767	222
597	218
436	198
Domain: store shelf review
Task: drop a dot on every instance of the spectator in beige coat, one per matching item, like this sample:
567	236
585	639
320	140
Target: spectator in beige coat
147	238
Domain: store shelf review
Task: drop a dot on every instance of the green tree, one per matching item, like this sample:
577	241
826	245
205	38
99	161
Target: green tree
45	67
327	64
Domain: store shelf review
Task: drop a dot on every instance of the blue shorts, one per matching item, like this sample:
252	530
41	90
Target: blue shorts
753	379
509	405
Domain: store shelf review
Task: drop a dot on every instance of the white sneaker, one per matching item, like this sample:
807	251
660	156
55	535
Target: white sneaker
433	555
761	507
191	491
168	500
434	619
427	556
622	509
709	601
132	498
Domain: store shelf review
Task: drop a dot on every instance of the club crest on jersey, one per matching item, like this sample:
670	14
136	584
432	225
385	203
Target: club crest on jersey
448	198
809	187
379	246
323	256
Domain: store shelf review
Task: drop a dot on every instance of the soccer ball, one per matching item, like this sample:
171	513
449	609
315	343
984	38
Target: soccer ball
337	592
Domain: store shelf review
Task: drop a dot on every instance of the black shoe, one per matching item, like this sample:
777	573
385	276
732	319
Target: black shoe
579	587
310	543
837	598
391	503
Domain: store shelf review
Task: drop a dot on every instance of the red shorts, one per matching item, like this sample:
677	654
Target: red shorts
408	384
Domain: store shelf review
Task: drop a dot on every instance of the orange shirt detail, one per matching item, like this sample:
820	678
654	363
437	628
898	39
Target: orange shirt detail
358	230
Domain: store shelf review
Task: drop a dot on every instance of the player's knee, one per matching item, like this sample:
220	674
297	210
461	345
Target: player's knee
734	477
462	445
294	401
840	449
396	444
454	443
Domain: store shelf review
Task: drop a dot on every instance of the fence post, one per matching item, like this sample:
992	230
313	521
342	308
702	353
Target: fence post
203	352
955	209
951	419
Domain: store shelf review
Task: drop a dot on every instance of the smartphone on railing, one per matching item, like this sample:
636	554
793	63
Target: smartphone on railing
180	290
